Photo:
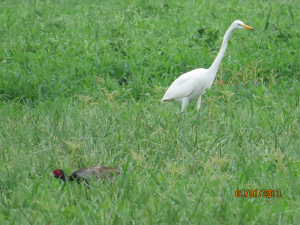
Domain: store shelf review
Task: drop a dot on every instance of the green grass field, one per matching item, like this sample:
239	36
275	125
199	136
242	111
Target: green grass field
81	83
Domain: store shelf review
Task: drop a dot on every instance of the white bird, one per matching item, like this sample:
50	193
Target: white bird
192	85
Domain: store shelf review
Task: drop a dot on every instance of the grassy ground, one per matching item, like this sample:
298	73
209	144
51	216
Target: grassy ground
81	83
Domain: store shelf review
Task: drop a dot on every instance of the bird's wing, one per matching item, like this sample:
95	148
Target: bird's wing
98	172
184	85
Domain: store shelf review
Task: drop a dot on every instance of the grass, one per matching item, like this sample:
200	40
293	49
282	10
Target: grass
81	83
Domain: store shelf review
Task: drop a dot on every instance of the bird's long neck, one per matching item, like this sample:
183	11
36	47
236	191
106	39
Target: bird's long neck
215	66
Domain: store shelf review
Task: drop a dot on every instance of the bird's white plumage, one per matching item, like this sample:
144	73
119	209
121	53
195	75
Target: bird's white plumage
187	85
192	85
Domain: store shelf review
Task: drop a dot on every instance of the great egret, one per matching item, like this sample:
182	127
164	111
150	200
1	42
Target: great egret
192	85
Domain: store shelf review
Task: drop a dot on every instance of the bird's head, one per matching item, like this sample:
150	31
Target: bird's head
239	24
59	174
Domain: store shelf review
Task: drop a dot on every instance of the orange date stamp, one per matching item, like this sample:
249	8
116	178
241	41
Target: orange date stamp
258	193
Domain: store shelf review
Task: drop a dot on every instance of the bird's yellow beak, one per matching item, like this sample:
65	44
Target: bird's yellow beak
247	27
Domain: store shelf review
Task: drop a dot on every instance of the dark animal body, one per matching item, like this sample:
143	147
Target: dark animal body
83	175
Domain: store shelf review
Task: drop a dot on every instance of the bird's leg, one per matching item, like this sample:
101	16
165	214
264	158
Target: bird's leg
179	116
198	107
185	103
